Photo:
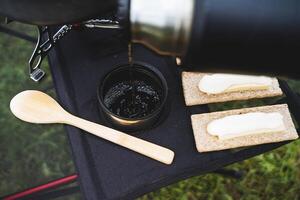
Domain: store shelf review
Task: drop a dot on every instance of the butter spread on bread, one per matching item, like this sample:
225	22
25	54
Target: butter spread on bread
246	124
224	83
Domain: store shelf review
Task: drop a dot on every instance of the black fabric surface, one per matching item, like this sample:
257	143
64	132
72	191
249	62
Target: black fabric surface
108	171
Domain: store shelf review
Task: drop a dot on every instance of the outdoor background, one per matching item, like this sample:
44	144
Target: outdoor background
35	154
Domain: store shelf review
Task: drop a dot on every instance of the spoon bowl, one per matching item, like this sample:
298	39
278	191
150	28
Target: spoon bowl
36	107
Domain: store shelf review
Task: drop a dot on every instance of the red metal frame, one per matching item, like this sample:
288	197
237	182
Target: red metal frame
40	188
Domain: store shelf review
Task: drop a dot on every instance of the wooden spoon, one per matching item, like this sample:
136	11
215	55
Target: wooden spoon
38	107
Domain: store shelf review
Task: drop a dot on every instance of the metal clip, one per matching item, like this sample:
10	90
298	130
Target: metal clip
43	46
45	43
102	23
37	74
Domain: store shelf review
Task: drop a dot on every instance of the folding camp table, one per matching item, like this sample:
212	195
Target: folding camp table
108	171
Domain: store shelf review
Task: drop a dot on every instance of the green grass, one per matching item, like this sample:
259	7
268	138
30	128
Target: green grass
29	154
35	154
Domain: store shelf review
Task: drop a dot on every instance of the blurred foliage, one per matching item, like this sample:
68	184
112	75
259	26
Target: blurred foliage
29	154
34	154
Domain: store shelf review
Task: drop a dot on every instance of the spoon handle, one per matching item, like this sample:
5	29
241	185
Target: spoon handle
149	149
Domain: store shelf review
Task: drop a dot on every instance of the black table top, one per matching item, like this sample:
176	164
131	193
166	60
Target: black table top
108	171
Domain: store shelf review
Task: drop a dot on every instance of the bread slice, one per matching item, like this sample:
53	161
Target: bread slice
193	96
206	142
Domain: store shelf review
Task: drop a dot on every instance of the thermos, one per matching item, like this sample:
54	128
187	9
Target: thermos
249	36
